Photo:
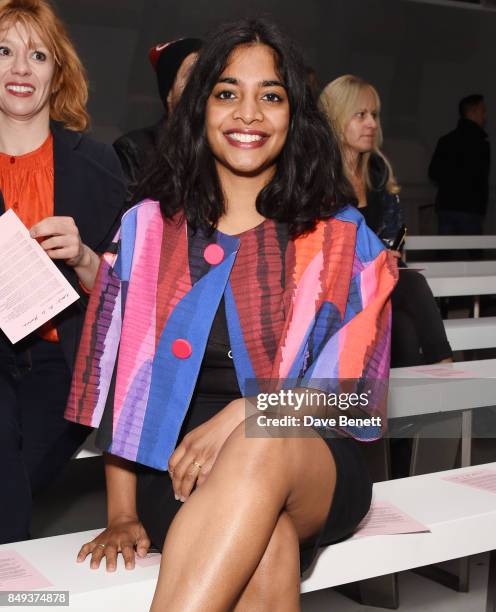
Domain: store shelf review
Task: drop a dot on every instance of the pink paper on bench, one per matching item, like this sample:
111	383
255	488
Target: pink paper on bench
17	574
385	519
479	479
445	372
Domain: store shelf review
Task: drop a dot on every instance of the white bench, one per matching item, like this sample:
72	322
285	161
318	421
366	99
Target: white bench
443	243
461	520
455	284
455	268
457	278
413	392
442	388
468	334
88	449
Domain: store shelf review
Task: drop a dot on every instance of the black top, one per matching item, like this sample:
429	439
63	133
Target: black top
136	150
460	167
383	213
217	384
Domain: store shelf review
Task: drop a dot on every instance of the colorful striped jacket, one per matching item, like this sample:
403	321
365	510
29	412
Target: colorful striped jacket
303	312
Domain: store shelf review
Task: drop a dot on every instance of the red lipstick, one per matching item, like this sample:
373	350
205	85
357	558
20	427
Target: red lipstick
20	94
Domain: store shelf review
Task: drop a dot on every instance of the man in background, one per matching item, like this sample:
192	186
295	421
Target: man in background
172	62
460	168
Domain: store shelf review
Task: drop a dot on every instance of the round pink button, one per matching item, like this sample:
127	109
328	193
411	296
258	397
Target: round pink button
181	348
213	254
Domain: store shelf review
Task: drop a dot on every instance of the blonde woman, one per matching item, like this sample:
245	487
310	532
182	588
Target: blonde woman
68	190
352	106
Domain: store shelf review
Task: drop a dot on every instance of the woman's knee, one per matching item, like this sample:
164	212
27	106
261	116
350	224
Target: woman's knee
270	451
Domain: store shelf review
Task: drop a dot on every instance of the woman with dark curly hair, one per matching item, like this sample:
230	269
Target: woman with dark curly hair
246	276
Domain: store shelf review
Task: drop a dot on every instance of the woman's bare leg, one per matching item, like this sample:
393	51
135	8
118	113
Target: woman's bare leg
218	538
280	567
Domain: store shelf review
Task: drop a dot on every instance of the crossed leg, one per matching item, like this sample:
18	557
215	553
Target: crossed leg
237	535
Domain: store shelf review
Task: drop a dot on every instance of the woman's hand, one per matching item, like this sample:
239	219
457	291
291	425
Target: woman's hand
195	456
62	239
59	237
123	535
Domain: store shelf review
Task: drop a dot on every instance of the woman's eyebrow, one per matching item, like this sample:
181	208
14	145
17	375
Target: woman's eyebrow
272	83
228	80
266	83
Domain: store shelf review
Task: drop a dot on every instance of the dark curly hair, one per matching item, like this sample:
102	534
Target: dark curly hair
309	183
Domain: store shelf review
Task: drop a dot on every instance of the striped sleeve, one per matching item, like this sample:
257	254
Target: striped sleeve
355	359
97	352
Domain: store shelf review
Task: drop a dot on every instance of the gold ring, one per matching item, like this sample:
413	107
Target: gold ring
102	545
195	463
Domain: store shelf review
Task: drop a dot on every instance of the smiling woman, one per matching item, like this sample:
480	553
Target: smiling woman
68	191
298	192
26	73
246	267
41	43
238	105
247	121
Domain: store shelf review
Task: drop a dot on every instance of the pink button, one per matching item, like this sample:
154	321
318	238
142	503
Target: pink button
181	348
213	254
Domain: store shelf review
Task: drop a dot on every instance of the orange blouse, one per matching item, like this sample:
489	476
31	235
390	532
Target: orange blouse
26	182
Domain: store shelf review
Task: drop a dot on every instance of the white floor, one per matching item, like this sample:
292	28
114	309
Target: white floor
417	594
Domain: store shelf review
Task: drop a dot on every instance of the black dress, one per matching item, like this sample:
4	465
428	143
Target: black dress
217	385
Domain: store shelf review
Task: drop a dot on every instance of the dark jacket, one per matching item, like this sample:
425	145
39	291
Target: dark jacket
88	186
460	167
136	150
383	212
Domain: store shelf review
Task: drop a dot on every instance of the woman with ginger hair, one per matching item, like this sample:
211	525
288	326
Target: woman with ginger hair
352	106
68	190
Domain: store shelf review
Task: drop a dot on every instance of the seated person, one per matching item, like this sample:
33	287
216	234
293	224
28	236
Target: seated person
244	273
352	106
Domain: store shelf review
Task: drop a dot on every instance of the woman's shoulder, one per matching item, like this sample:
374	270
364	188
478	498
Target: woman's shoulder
142	213
96	153
378	172
349	215
367	244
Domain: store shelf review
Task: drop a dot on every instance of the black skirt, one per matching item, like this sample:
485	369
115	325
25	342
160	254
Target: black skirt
217	386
